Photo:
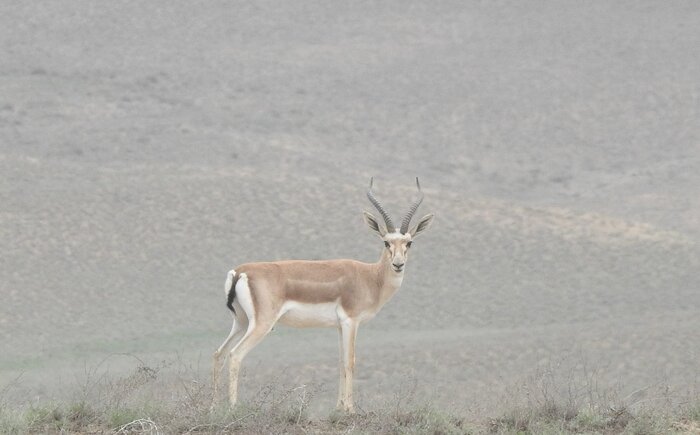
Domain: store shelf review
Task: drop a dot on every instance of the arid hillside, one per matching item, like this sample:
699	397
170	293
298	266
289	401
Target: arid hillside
146	148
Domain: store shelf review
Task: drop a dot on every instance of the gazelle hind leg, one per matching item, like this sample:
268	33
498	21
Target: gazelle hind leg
237	330
258	327
256	332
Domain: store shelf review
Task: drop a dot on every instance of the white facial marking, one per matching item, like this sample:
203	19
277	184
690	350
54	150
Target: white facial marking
398	250
390	237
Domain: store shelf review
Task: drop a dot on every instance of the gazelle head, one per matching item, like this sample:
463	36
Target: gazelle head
397	241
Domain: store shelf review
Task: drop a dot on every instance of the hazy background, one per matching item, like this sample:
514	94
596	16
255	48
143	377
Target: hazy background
146	148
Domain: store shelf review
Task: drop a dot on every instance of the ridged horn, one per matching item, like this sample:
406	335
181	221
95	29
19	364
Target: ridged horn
387	220
407	219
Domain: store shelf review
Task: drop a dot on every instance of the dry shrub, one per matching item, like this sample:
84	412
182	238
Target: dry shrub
146	401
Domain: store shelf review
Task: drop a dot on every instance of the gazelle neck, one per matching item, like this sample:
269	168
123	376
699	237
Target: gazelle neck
389	281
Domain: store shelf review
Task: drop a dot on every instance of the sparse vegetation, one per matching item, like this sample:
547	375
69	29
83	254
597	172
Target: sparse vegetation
142	402
423	420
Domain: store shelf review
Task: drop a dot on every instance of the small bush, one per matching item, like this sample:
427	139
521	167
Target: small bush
692	412
12	422
119	417
81	414
428	420
589	420
43	418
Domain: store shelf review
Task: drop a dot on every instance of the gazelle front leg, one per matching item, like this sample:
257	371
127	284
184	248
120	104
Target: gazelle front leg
348	329
341	370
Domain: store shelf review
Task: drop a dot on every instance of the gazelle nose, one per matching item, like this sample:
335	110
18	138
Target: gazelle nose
398	266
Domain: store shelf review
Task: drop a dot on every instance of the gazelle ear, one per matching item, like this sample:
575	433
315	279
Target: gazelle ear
373	224
422	225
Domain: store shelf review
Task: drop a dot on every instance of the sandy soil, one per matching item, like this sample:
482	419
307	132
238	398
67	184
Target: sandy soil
147	148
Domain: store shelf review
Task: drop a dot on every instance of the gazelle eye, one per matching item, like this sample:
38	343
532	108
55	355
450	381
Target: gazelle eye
408	245
386	244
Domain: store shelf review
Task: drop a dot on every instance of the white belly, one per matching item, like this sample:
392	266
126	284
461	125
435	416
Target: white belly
302	315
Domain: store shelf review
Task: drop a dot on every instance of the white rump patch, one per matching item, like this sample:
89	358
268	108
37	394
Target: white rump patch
301	315
229	281
245	300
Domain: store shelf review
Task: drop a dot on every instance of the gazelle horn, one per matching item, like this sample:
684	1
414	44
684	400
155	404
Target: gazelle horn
407	219
387	220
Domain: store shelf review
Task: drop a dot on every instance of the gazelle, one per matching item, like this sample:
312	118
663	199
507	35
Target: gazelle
333	293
